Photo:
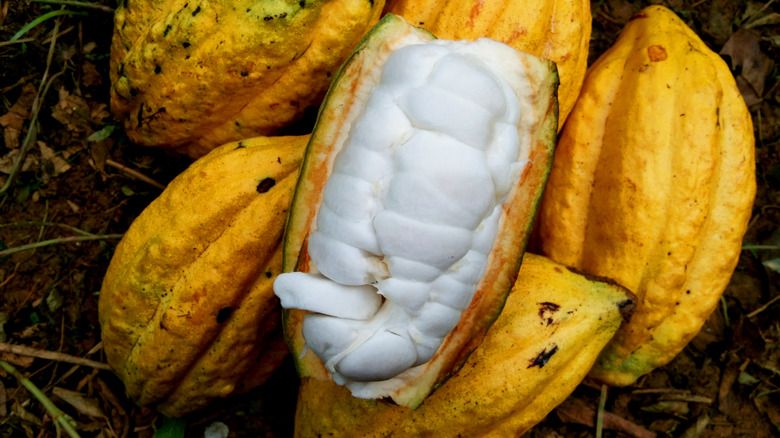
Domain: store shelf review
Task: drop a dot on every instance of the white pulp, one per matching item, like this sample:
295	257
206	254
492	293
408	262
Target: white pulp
411	209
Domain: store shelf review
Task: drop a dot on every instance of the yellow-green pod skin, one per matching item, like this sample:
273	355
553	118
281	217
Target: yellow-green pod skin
190	75
653	185
554	325
187	309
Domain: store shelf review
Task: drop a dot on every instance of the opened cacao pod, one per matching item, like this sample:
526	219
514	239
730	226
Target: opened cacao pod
192	75
553	327
652	186
187	309
558	30
416	197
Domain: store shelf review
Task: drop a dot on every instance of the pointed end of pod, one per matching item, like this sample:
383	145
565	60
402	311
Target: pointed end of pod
626	306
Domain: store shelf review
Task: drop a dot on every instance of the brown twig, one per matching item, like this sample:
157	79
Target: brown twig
51	355
60	418
754	313
574	410
30	137
135	174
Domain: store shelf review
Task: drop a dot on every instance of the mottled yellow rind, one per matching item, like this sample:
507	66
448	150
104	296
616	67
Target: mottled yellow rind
653	185
558	30
506	386
187	309
192	75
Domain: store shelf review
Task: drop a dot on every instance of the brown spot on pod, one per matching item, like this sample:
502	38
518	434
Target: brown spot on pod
656	53
547	310
223	314
543	357
265	185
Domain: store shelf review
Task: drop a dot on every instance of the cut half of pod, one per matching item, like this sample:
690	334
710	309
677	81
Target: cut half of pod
415	200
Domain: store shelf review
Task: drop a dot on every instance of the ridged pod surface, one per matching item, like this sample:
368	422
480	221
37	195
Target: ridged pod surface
558	30
350	136
191	75
187	310
554	325
653	185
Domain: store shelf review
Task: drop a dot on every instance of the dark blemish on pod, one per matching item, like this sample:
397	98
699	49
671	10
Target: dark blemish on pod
627	308
240	145
167	30
546	310
196	11
157	69
302	4
269	274
265	185
185	44
543	357
268	18
244	74
224	314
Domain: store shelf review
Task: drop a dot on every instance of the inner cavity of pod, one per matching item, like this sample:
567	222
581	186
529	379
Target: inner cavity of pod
410	210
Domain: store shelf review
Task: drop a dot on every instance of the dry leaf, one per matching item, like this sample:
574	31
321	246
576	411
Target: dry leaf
15	359
3	400
750	64
90	75
7	162
60	165
13	121
72	111
85	405
100	112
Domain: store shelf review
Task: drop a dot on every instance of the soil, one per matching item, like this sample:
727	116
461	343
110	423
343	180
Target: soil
83	182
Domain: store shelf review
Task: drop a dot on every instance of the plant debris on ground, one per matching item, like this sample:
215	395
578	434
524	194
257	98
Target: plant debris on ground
72	183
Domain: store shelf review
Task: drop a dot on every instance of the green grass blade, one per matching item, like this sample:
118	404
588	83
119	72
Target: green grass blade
41	19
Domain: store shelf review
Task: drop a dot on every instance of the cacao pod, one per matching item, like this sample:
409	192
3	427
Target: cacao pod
553	327
192	75
187	309
558	30
412	211
652	186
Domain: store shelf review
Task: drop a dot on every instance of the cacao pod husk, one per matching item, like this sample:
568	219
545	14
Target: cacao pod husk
653	185
187	309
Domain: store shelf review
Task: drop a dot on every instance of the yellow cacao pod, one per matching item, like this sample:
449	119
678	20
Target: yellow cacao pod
552	328
192	75
558	30
652	186
187	309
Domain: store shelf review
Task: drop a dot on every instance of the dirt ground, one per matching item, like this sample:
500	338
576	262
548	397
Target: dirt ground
82	183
